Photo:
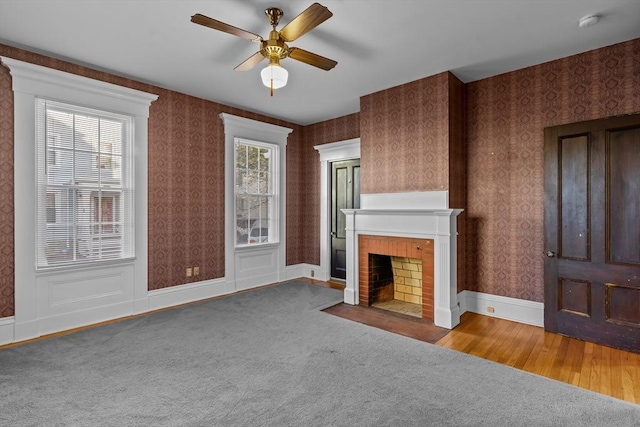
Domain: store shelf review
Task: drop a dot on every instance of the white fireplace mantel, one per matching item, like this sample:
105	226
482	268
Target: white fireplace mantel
423	215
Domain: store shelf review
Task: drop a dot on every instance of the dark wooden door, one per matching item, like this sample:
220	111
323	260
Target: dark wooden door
345	194
592	231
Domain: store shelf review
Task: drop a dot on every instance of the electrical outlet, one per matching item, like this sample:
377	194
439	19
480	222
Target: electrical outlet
189	271
196	271
313	273
491	310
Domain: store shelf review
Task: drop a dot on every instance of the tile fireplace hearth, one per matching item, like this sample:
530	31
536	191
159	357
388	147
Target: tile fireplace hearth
415	225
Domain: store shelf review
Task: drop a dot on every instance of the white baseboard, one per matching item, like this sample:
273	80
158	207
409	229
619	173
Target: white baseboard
190	292
6	330
154	300
517	310
304	270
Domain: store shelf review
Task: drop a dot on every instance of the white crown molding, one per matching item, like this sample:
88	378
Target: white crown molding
43	81
341	150
242	127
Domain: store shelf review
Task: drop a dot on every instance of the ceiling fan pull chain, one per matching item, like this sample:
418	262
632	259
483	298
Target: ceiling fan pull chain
271	87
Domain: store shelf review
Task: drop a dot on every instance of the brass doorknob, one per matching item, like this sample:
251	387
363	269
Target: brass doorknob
551	254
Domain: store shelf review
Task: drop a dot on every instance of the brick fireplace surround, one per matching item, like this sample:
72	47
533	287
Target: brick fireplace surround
413	225
401	247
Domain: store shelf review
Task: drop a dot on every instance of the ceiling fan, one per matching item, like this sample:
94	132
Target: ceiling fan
275	48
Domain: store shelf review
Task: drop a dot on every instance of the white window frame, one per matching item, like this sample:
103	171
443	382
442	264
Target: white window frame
274	209
249	266
45	301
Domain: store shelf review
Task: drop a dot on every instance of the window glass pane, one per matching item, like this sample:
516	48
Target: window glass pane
265	155
60	129
82	211
51	208
254	193
86	133
241	180
265	183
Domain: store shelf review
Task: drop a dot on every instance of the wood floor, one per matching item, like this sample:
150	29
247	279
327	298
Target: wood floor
598	368
595	367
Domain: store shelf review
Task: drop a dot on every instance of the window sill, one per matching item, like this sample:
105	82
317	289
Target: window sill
96	265
257	246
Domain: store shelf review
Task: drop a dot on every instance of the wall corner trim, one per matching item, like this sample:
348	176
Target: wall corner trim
514	309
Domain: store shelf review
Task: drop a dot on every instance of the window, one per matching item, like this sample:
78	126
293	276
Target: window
255	192
92	183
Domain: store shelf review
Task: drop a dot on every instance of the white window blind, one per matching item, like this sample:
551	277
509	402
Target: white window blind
85	185
256	184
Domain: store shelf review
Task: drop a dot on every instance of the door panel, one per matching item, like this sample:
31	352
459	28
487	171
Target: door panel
575	296
345	194
574	182
624	186
592	231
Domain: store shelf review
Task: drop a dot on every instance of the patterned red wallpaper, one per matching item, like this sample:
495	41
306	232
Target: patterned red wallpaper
506	118
186	179
404	134
6	194
504	128
334	130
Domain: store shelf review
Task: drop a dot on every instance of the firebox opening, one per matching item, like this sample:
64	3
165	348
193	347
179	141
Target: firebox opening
396	284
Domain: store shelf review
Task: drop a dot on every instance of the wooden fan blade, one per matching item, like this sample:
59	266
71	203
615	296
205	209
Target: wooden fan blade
221	26
311	58
251	62
313	16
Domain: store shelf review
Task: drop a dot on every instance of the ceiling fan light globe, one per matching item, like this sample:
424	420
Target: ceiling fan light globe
274	73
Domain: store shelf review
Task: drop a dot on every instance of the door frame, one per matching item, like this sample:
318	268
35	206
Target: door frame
329	153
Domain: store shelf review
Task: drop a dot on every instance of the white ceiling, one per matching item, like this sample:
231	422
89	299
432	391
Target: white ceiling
378	44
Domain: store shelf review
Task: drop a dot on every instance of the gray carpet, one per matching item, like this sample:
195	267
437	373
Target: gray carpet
270	357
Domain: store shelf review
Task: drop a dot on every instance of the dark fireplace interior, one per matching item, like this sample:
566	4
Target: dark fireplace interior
381	277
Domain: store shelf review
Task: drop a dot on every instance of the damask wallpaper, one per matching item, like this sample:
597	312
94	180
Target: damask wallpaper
186	178
6	195
506	118
404	139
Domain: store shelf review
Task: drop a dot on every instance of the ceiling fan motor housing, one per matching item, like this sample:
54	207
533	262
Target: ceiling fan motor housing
275	47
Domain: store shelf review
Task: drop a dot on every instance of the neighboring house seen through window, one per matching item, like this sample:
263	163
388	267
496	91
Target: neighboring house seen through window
256	192
86	193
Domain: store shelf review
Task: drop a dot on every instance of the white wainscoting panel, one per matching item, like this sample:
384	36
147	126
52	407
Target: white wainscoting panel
68	300
517	310
256	267
80	291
